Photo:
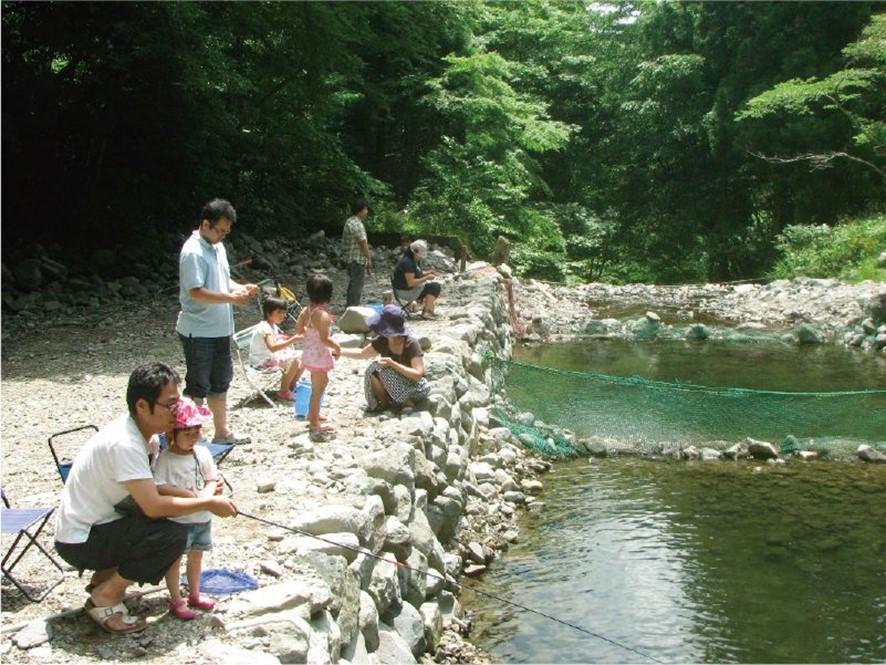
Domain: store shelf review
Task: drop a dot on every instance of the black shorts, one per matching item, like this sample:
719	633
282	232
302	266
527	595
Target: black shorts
430	289
209	365
141	549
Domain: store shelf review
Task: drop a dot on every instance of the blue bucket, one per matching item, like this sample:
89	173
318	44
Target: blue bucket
377	306
303	398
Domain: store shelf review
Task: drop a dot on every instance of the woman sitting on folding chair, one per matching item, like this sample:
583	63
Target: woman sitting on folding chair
397	378
412	284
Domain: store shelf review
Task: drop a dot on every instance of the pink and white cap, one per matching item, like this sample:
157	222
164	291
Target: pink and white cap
188	414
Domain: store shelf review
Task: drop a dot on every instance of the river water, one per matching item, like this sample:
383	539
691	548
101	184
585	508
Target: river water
698	562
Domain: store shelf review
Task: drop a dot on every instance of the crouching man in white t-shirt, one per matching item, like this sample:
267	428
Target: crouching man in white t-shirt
111	518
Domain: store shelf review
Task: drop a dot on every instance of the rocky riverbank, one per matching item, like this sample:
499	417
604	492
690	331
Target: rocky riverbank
801	310
437	490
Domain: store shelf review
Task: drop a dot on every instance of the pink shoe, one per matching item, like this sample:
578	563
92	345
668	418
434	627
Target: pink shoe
201	602
180	611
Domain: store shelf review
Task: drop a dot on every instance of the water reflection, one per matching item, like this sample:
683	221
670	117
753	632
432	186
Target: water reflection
694	562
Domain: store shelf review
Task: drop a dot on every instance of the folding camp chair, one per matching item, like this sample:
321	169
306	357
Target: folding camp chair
20	521
63	464
407	307
260	380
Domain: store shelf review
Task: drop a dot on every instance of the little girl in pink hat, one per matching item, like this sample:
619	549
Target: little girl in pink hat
188	470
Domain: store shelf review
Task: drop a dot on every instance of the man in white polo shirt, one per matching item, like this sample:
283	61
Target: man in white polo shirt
206	320
111	518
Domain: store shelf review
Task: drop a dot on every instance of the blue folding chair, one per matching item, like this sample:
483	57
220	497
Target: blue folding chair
20	521
63	464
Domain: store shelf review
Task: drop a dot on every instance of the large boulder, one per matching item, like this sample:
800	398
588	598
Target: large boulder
410	625
354	320
413	578
397	538
324	642
313	594
342	544
808	334
761	449
875	307
368	618
433	621
332	519
394	464
384	584
868	453
345	586
392	648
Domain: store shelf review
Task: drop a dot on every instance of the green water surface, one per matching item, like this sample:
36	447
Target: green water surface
762	390
695	562
692	561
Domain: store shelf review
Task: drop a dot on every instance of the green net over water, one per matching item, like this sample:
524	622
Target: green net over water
645	413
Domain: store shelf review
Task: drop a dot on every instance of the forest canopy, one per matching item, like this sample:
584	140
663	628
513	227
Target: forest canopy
658	141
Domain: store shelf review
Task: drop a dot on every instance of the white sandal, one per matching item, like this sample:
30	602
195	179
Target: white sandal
102	615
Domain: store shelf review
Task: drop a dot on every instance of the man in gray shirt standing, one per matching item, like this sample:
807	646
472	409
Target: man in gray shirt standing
356	251
206	320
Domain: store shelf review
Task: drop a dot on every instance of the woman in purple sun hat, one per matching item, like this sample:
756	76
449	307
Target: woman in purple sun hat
397	378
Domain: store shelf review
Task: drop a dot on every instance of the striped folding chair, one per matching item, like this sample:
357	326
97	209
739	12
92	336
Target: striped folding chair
25	524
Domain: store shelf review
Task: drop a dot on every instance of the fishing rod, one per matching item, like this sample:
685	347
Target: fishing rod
400	564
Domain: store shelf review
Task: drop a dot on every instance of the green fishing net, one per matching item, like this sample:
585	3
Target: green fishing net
647	413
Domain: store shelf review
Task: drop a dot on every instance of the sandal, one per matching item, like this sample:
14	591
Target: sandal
115	619
179	610
201	602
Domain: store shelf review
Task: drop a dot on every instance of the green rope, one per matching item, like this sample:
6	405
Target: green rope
676	385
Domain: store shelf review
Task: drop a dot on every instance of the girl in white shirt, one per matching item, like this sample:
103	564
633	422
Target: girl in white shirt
270	348
188	470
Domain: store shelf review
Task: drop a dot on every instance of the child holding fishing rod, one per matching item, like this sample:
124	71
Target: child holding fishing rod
185	469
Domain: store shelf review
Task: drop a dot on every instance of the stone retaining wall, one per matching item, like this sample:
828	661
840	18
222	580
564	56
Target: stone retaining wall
431	495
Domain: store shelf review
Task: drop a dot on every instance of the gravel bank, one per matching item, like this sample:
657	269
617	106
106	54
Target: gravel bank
394	486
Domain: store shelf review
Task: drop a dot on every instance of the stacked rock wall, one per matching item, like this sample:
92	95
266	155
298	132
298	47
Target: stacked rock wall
414	498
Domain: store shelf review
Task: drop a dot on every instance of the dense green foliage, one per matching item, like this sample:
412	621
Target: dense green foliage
632	141
850	251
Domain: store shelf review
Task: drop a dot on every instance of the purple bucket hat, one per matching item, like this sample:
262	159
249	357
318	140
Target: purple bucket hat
188	414
390	322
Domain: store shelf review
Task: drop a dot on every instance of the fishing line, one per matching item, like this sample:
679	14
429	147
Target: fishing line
400	564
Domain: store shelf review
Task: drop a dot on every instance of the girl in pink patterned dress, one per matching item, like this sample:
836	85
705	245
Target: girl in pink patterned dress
314	323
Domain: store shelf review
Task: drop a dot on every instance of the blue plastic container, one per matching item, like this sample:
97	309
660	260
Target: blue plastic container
303	398
377	306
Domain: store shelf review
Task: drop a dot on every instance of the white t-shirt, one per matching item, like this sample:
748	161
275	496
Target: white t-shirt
258	350
190	472
116	454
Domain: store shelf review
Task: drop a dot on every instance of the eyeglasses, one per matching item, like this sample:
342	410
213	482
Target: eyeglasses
169	405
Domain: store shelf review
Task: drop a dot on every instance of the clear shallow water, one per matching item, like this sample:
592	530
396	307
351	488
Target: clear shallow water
644	414
694	562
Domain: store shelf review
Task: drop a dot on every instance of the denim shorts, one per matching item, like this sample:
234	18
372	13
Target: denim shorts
209	365
199	536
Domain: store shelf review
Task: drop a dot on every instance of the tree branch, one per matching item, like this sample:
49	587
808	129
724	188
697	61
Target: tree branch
819	160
